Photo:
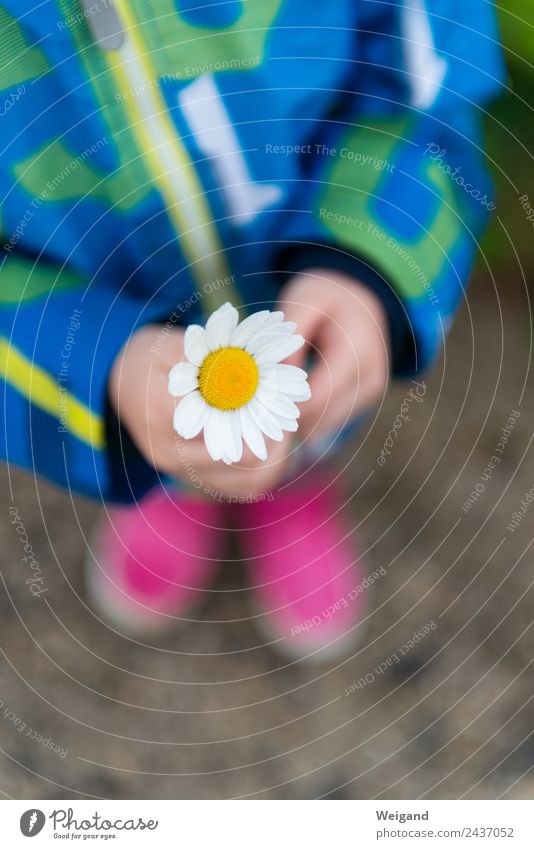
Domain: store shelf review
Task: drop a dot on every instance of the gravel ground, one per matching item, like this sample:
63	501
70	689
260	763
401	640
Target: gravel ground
211	713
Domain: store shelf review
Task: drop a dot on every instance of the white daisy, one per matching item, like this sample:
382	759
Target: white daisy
235	386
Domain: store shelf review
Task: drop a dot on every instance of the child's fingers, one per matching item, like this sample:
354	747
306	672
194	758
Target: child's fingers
322	384
168	348
327	374
333	415
308	322
335	382
252	479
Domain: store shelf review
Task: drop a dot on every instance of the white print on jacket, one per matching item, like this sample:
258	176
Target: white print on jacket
425	67
206	114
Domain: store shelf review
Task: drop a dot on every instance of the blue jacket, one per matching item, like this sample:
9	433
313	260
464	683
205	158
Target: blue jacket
160	157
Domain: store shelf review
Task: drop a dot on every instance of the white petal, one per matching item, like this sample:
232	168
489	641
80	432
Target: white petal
277	351
294	391
265	420
196	344
213	433
276	317
276	322
252	434
183	378
277	403
288	424
286	327
248	327
233	445
283	372
261	340
300	394
220	326
290	380
259	322
190	415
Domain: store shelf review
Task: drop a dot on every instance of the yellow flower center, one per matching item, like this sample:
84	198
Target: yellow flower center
228	378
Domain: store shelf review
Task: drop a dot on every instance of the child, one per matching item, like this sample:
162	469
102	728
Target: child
162	158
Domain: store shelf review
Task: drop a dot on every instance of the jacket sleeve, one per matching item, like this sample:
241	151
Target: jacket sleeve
399	195
59	336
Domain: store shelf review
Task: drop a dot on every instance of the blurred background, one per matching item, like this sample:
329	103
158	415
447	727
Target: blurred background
85	712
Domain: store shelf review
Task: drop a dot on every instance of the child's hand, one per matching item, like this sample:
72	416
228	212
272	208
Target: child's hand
139	395
345	324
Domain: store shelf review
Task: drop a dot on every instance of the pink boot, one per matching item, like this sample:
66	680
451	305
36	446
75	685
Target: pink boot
149	564
305	572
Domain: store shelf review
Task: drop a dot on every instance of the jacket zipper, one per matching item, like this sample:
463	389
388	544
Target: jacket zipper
169	163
